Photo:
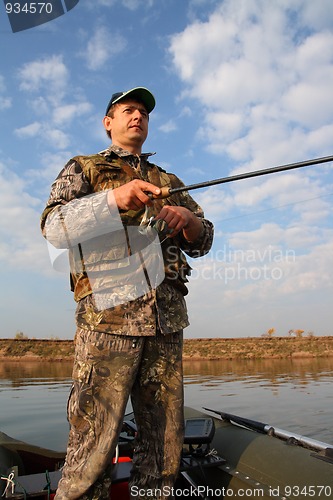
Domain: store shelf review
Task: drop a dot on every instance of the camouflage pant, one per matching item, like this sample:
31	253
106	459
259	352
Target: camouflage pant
107	371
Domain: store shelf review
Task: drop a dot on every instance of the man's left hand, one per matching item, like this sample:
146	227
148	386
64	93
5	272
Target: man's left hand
180	219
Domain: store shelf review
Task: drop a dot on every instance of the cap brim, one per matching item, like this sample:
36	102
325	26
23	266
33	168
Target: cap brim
141	93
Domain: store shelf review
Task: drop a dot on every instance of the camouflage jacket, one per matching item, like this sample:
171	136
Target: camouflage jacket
106	283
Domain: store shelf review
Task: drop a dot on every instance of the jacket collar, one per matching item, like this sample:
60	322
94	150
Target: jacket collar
118	151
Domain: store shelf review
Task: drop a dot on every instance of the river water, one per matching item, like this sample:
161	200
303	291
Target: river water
295	395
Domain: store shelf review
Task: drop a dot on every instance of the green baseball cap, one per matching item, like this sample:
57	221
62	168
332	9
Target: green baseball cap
141	93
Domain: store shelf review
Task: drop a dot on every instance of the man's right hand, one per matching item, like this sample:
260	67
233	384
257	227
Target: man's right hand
132	195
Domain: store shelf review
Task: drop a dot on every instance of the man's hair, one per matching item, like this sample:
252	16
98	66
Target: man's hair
111	115
113	107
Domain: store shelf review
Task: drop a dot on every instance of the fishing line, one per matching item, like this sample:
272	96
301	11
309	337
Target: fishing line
275	208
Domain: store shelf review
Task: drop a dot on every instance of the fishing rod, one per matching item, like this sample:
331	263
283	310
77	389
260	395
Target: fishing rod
272	431
165	191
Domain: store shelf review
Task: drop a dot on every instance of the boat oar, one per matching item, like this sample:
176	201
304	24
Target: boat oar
245	422
165	191
274	431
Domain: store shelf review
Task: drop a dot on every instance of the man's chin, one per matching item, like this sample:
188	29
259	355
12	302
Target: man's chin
138	135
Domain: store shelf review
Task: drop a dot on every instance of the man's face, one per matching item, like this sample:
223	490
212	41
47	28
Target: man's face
129	125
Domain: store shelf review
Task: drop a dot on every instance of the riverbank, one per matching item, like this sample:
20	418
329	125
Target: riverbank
194	349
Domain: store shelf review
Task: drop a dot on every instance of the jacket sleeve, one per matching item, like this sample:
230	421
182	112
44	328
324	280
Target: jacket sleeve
74	213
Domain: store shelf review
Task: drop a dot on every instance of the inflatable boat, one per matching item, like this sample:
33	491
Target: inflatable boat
224	456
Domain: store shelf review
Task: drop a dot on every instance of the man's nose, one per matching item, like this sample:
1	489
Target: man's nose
137	114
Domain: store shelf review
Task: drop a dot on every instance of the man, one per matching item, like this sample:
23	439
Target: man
128	342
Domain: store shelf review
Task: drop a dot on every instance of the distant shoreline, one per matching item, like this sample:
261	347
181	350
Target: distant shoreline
194	349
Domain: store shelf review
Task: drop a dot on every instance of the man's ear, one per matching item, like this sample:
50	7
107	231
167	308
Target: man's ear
107	122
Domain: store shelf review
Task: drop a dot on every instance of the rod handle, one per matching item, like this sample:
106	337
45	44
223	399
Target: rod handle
165	192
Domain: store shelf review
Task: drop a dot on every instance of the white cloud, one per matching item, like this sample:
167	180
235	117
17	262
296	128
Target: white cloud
22	246
317	15
219	124
47	74
262	75
308	99
266	284
5	102
51	165
102	46
136	4
307	200
53	136
217	203
64	114
57	138
129	4
169	126
52	99
40	106
186	111
278	189
31	130
294	237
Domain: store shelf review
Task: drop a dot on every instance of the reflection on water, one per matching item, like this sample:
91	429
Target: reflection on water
292	394
300	368
33	401
21	371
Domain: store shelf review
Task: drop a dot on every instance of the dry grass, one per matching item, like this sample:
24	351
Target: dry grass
258	348
216	348
31	349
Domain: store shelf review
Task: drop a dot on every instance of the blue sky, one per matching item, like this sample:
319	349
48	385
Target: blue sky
240	85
